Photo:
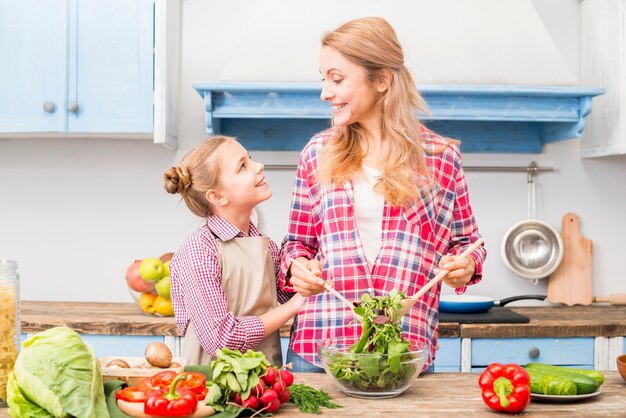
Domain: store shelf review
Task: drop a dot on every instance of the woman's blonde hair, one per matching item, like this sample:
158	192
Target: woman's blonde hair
372	43
196	173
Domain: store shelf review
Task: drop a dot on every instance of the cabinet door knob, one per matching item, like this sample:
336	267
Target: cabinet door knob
49	106
72	107
533	352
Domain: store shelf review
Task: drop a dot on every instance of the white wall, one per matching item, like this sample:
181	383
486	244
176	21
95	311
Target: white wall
75	213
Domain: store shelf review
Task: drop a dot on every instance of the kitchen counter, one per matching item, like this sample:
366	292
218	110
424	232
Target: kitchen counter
453	395
127	319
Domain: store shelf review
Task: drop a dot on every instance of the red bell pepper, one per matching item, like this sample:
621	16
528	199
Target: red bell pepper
195	382
131	394
505	387
158	381
175	402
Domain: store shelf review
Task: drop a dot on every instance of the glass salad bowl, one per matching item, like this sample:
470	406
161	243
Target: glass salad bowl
371	375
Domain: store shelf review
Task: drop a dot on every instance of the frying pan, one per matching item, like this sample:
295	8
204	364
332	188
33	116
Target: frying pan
477	304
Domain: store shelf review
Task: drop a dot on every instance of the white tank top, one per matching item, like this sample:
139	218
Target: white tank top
368	212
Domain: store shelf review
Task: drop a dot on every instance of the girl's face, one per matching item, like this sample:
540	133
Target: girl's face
242	181
346	87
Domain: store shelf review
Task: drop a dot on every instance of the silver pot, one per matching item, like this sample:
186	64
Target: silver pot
532	249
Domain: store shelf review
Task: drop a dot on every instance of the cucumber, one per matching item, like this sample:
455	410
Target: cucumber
547	384
594	374
584	384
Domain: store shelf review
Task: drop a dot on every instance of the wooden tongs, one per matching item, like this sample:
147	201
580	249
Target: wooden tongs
326	286
408	303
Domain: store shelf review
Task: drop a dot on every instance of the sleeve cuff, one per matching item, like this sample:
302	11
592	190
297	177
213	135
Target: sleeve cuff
255	331
283	280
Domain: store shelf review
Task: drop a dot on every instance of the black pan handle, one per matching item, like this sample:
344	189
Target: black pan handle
503	302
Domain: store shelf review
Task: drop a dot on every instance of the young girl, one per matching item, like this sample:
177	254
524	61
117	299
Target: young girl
379	198
224	289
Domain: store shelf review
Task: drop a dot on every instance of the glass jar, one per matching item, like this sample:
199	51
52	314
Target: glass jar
9	321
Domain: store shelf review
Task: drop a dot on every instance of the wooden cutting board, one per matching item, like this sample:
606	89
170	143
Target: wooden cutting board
571	281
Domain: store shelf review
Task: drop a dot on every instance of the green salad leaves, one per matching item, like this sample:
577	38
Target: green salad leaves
388	363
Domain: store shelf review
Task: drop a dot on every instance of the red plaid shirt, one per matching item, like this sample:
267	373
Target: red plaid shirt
197	293
414	238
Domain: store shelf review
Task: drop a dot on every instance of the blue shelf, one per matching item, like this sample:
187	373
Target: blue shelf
283	116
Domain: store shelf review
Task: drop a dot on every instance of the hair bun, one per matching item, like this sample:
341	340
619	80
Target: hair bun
177	179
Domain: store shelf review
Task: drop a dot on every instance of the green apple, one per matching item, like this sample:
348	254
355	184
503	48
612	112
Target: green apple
163	287
166	266
151	269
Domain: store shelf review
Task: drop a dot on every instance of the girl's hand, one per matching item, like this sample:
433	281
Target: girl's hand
460	271
302	281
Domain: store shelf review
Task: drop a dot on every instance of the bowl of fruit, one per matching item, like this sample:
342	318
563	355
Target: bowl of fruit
148	282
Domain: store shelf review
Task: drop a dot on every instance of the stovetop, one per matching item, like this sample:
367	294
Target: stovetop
495	315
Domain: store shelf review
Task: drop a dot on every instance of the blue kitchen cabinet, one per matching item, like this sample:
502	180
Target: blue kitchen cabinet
573	352
448	356
74	66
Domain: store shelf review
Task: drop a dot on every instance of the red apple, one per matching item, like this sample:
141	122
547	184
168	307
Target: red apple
135	281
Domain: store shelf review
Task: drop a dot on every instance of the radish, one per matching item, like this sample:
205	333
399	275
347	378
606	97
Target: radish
286	376
270	375
252	402
273	406
284	396
279	386
259	388
268	396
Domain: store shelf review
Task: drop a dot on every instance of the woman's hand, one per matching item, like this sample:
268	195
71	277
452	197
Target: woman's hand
460	271
303	281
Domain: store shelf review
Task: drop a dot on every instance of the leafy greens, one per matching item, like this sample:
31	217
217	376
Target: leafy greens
388	364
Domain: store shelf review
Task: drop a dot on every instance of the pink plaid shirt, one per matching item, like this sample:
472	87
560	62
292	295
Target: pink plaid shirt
197	294
414	238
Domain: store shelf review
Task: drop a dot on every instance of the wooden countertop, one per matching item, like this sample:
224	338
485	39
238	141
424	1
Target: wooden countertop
118	319
127	319
453	395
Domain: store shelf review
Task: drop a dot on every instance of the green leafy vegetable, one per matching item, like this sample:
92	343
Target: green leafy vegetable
309	399
388	363
234	372
57	372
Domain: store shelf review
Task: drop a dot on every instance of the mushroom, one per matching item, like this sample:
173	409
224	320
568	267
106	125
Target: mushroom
118	363
158	354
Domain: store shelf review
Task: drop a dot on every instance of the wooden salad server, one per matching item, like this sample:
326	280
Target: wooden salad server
408	303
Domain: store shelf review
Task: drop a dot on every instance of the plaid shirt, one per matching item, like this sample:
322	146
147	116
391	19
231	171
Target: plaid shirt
197	294
414	238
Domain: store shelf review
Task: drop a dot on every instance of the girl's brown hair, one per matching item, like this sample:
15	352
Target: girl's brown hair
372	43
196	173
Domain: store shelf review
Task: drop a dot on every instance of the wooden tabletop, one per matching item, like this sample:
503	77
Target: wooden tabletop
128	319
453	395
456	395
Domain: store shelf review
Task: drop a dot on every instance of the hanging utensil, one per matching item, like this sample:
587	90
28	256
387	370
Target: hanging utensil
531	248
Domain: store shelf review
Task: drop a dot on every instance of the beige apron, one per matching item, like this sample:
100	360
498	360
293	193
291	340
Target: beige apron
249	281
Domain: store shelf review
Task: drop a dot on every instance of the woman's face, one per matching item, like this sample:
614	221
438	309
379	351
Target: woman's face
352	96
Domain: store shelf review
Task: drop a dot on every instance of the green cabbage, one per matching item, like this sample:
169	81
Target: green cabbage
19	406
57	371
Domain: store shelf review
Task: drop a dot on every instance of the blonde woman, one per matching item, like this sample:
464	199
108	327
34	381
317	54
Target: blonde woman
224	288
379	201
